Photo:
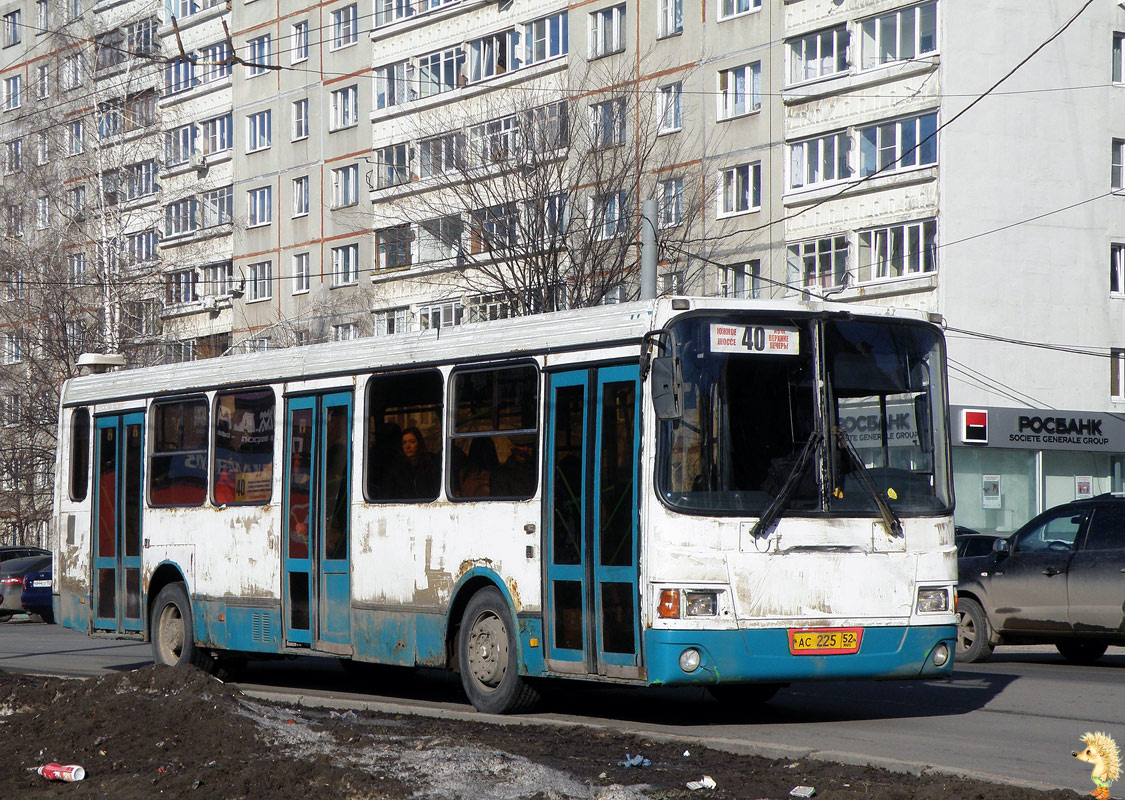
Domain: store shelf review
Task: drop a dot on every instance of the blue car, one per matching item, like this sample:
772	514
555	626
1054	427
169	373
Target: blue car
36	597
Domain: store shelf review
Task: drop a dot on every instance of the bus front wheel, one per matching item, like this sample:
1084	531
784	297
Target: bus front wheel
173	641
489	662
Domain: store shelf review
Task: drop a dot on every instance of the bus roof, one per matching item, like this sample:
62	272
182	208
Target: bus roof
600	327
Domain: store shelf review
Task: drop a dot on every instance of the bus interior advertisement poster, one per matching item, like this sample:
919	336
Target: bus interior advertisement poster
755	339
1083	486
990	491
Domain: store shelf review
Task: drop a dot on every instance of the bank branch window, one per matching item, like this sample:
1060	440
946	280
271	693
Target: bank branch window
494	441
404	437
244	430
178	464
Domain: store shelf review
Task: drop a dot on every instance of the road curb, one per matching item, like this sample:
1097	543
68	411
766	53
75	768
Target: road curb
770	750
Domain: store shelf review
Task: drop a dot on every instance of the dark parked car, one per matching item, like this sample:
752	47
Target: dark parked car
21	551
12	573
36	597
975	552
1057	580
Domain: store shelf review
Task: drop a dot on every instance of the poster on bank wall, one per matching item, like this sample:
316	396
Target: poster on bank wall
990	491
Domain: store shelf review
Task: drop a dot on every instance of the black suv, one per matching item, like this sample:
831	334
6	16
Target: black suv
1060	579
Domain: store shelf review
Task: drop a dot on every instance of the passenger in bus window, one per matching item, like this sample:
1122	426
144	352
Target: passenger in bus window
516	477
418	474
475	477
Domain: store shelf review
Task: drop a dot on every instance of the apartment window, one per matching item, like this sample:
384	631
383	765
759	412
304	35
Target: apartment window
671	107
76	200
259	285
495	140
897	251
73	9
42	16
219	278
495	228
13	350
740	90
546	38
818	54
608	123
439	240
301	196
300	119
607	31
140	111
345	332
76	265
391	321
1117	269
900	144
393	166
180	217
732	8
671	202
13	92
14	217
140	180
345	186
218	206
1117	374
345	265
110	120
493	55
300	273
142	37
1117	164
671	283
488	307
179	76
740	280
898	35
43	81
671	19
547	127
72	72
179	145
215	63
392	84
181	287
216	134
440	315
261	54
42	149
109	49
344	28
1119	57
75	138
345	108
13	29
388	11
140	247
260	206
299	42
820	160
609	215
741	189
439	155
42	212
259	131
819	263
392	247
441	71
13	156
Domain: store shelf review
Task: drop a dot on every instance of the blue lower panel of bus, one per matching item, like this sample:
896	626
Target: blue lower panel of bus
763	655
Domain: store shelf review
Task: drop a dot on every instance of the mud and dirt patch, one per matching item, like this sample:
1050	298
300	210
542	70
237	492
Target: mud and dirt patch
180	733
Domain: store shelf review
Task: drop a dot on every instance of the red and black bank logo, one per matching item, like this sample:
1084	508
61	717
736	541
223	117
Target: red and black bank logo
974	426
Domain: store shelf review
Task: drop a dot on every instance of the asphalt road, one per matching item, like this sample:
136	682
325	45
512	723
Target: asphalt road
1015	718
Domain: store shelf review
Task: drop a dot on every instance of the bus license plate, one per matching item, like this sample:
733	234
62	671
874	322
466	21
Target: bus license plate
824	641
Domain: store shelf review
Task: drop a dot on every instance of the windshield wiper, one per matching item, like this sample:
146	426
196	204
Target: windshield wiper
787	489
894	525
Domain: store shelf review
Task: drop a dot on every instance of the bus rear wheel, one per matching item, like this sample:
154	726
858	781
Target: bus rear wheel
173	640
486	646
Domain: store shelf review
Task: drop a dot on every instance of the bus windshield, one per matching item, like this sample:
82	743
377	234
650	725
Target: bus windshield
837	410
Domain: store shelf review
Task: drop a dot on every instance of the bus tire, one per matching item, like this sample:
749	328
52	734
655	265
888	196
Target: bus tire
173	635
972	632
486	646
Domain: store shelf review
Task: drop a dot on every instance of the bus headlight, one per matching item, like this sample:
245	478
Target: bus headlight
941	655
932	599
701	604
689	660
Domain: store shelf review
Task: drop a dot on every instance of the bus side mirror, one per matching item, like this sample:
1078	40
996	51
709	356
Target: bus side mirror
667	388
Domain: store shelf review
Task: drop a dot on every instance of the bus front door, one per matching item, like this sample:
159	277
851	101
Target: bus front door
117	523
317	513
592	612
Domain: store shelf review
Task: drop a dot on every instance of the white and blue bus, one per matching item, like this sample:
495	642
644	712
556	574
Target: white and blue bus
737	494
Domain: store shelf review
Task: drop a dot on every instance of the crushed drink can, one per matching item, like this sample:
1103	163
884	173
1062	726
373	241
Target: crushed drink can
62	772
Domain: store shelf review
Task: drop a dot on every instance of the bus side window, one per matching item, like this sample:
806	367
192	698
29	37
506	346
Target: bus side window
178	463
244	431
79	453
494	443
404	437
